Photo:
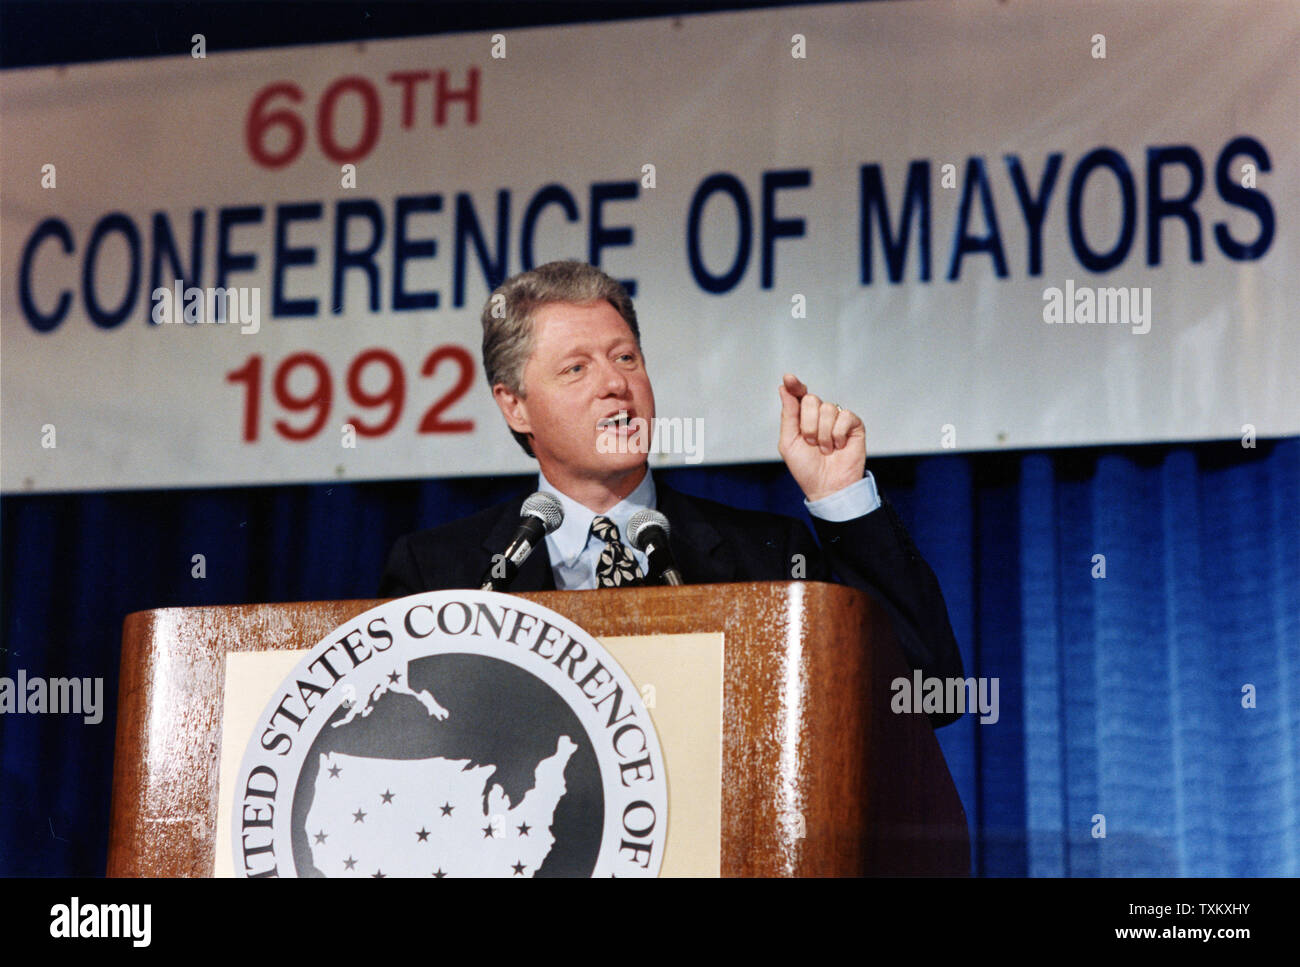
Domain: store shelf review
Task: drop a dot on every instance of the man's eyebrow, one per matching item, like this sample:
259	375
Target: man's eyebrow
571	356
592	348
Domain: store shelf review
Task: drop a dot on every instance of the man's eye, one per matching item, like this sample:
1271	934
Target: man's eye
574	368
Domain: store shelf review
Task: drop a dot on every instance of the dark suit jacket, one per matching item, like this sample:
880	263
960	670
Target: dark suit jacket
714	543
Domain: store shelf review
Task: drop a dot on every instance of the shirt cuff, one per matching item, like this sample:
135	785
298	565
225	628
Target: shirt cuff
856	500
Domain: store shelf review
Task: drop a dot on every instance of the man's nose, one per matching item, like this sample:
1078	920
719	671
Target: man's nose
613	379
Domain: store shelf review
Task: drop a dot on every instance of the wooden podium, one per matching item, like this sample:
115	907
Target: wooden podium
807	726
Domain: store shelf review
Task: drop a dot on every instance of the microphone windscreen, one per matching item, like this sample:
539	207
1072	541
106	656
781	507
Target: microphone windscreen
546	508
641	522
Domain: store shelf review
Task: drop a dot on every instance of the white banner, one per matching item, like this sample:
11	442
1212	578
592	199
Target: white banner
979	225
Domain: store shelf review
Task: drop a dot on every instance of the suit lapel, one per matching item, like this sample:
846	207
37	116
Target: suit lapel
701	553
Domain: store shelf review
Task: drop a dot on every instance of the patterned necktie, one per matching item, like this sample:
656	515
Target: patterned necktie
616	567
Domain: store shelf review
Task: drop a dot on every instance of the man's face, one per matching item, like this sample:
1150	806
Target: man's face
585	368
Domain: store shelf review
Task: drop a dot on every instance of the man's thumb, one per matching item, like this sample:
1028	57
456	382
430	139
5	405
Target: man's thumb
789	412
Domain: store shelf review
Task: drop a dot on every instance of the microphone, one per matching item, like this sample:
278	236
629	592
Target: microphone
648	531
540	514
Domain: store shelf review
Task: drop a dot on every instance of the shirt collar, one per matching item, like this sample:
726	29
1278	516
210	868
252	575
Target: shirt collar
570	538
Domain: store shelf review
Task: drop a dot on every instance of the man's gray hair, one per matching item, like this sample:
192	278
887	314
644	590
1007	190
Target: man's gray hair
508	316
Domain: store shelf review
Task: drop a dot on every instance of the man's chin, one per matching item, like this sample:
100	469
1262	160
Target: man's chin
629	463
615	473
611	467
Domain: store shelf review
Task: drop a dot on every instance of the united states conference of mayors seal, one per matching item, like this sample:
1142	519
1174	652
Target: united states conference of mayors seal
453	733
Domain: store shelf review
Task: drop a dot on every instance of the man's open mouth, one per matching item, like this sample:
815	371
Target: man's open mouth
618	421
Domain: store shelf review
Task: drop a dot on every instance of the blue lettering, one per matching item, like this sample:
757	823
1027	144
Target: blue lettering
773	227
964	242
1234	193
286	257
113	222
550	195
1034	209
916	202
1112	159
164	245
227	261
706	280
404	250
42	322
1159	207
364	258
600	237
467	230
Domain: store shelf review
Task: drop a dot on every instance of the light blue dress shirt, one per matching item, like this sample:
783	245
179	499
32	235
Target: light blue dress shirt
574	550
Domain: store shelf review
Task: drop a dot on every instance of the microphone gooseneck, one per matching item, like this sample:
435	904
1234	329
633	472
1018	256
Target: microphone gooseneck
540	514
648	531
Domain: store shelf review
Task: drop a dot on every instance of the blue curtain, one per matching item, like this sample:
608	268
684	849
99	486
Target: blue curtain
1158	704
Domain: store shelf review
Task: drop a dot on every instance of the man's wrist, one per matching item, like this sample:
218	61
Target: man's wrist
849	503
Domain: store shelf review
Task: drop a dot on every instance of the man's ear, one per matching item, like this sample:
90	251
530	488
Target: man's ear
513	407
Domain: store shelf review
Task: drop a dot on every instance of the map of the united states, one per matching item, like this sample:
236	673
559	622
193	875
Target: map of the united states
428	817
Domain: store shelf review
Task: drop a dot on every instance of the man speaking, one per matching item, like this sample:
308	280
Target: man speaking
562	352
